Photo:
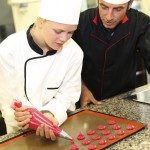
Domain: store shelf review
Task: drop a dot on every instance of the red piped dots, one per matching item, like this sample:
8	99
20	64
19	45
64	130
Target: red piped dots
95	137
74	147
80	136
91	132
92	147
111	122
86	142
101	127
72	141
116	127
120	132
102	142
130	127
105	132
111	137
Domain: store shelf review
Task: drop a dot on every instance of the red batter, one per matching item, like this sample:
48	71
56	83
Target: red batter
102	142
72	141
74	147
80	136
105	132
120	132
92	147
86	142
116	127
101	127
130	127
111	137
96	137
91	132
111	122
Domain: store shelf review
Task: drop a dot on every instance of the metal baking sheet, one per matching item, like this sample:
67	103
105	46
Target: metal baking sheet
80	122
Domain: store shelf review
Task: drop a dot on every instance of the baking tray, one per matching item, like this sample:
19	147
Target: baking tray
80	122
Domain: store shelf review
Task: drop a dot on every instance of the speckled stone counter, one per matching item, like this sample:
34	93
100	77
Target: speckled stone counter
124	108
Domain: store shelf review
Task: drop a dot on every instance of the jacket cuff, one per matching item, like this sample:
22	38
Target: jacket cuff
59	113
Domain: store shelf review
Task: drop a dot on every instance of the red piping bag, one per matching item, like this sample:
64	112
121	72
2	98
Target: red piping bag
38	118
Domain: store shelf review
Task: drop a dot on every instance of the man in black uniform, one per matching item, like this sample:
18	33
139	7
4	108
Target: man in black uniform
110	36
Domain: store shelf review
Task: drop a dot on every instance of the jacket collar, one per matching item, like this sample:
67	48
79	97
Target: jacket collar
34	46
96	18
110	37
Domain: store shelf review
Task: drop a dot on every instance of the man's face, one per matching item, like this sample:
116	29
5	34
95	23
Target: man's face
112	14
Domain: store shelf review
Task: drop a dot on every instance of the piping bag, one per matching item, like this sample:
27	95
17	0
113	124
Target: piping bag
38	118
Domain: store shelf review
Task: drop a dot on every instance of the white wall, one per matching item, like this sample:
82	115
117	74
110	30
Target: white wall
25	12
145	6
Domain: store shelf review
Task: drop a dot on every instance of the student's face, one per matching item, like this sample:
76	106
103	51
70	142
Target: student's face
112	14
56	34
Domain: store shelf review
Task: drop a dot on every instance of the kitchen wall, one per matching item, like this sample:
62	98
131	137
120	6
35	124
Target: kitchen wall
145	6
6	20
24	12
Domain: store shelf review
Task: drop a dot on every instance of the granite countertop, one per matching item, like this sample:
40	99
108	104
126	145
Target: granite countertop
124	108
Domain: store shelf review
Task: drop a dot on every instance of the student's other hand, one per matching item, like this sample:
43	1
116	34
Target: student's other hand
87	97
44	131
22	117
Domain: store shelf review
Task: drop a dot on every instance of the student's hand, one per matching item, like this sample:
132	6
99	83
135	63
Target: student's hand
87	97
22	117
44	131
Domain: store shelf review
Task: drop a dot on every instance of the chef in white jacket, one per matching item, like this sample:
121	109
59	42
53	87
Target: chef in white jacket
41	67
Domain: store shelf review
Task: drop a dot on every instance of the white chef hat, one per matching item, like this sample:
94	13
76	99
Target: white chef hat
61	11
116	1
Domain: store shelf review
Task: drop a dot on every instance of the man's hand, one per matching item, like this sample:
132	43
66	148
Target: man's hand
44	131
87	97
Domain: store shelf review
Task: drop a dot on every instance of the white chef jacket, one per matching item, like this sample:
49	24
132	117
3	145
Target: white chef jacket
51	82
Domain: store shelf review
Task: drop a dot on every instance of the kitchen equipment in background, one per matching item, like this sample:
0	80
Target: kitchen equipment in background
6	20
141	78
25	12
142	96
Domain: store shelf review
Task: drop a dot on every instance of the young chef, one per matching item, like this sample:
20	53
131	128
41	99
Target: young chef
110	36
41	67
